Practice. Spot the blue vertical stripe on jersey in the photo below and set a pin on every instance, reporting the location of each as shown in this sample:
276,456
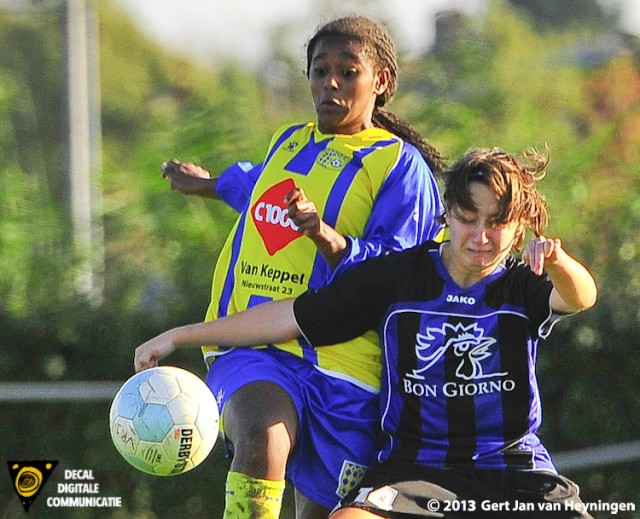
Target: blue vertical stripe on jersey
230,279
487,411
434,412
461,412
320,271
488,416
304,160
517,404
285,135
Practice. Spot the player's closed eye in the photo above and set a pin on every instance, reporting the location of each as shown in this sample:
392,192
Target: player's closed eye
349,73
464,219
472,220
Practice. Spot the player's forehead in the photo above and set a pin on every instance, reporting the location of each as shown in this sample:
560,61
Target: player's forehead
479,200
337,47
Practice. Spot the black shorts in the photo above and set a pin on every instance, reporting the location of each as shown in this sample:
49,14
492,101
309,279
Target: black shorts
403,491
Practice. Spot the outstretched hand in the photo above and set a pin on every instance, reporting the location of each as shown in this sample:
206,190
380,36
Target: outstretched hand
185,177
149,354
540,251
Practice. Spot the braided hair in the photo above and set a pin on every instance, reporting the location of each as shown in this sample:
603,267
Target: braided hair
379,46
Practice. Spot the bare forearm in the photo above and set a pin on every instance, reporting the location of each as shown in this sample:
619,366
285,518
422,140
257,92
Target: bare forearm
203,187
190,179
574,288
330,243
266,323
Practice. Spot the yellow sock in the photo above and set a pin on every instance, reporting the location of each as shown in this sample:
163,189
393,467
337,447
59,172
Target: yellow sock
251,498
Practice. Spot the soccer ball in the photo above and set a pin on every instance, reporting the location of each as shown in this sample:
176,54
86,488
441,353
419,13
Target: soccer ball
164,421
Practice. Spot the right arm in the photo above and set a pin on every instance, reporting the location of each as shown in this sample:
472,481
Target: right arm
574,288
190,179
233,186
271,322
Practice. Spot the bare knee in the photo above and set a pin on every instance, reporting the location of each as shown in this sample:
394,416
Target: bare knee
261,448
260,421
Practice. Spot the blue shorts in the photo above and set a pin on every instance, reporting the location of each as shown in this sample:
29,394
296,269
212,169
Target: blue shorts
339,423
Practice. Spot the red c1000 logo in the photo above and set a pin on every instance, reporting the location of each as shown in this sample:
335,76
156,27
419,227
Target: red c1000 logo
271,218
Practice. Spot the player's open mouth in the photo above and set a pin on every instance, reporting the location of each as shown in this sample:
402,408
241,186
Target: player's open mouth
333,102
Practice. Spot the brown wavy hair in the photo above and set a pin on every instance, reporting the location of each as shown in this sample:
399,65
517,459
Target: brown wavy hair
513,179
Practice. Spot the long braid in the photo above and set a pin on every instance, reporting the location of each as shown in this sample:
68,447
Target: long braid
390,121
378,44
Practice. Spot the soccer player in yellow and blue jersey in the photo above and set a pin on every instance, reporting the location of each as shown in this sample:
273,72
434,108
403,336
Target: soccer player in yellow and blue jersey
355,184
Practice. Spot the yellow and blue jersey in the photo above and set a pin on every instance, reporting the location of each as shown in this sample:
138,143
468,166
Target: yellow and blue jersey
372,187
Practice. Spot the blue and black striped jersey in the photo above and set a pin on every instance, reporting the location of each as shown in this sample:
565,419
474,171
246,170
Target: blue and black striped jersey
459,386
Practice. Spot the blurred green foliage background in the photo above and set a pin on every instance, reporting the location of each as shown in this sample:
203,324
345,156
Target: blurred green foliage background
527,74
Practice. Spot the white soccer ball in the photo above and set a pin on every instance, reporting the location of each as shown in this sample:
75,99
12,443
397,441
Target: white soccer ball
164,421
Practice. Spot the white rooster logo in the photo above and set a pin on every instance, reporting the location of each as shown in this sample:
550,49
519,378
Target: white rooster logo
468,342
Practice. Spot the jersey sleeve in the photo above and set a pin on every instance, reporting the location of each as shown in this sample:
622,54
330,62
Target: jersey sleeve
404,213
235,184
538,290
348,307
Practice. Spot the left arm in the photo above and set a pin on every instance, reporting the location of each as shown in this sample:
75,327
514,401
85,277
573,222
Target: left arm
574,288
403,215
341,311
302,211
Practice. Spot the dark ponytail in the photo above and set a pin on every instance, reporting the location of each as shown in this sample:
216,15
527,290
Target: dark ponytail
390,121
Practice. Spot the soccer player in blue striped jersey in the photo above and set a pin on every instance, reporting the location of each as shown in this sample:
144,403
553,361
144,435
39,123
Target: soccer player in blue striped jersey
460,324
355,184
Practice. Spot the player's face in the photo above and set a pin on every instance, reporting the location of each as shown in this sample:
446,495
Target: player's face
344,86
479,243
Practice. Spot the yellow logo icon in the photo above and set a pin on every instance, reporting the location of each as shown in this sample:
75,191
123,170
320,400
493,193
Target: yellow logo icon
29,477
